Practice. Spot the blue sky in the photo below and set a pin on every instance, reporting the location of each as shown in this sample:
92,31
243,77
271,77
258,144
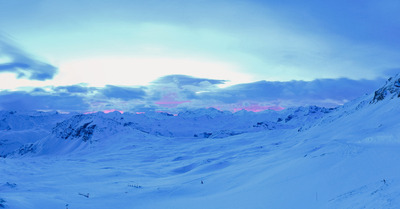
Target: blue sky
124,54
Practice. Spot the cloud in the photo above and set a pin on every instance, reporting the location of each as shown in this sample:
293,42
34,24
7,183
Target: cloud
174,90
74,89
391,72
176,93
74,98
124,93
322,92
290,45
169,101
184,80
19,62
24,101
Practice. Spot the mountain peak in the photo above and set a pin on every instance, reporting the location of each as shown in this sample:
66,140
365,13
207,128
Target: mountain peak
391,89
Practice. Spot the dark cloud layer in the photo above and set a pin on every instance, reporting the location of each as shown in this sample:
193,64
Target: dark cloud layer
73,89
23,65
323,92
124,93
180,87
166,91
24,101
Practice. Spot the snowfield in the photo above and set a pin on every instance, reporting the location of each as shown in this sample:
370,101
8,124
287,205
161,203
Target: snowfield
307,157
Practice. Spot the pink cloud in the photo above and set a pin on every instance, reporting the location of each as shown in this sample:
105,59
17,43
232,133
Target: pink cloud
113,110
169,101
105,111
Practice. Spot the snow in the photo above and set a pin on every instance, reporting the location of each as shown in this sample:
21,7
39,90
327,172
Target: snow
306,157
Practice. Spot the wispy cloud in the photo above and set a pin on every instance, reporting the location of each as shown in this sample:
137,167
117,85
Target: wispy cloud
271,40
15,60
182,81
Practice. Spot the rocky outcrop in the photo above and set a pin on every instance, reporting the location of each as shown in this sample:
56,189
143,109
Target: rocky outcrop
390,90
84,127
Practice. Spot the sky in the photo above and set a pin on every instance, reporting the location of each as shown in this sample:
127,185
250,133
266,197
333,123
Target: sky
173,55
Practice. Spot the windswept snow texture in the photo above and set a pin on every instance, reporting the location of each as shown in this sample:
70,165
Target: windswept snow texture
306,157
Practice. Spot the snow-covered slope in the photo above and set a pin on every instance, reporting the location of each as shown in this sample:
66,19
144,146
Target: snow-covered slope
306,157
18,131
81,131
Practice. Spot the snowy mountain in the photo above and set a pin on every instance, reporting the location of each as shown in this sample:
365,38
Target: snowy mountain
306,157
390,90
18,131
60,134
